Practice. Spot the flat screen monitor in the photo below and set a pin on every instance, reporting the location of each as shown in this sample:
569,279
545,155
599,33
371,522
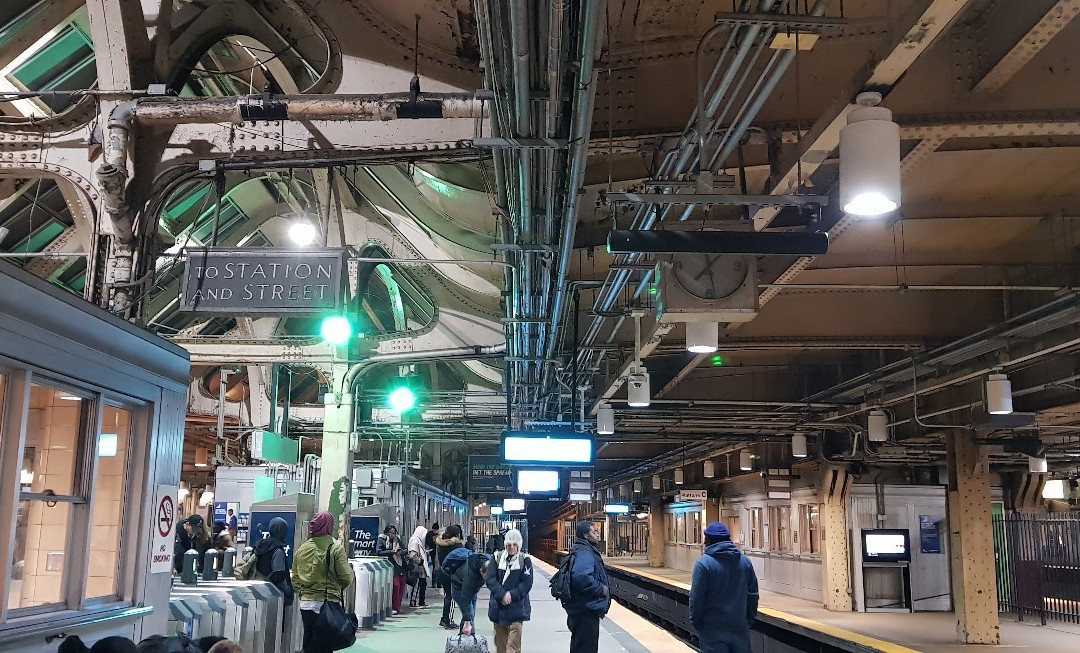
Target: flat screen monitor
546,449
538,481
886,545
513,505
496,510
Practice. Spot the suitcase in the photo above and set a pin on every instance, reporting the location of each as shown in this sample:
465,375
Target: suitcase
466,644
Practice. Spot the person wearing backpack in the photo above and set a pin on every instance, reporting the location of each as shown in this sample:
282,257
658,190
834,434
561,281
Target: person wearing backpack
723,595
268,561
585,596
509,580
467,572
315,580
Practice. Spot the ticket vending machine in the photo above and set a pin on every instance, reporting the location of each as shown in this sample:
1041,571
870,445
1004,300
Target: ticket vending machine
886,567
297,510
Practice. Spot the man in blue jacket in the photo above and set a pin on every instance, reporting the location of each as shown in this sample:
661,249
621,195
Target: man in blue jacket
723,595
590,599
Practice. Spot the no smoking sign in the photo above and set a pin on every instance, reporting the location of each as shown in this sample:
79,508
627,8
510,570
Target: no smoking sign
161,549
165,516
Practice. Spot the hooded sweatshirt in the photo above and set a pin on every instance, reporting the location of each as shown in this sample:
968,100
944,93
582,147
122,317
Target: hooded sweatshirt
271,561
723,597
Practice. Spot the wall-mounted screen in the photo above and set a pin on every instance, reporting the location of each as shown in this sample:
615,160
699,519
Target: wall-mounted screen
617,508
513,505
496,510
885,545
537,481
546,449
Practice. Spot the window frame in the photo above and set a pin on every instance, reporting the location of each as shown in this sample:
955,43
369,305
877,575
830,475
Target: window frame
755,517
780,540
809,537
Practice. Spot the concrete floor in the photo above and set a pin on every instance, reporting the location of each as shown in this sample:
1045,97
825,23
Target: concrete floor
417,631
933,632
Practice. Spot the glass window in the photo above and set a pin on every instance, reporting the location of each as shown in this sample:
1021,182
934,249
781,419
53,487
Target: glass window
757,536
780,525
680,527
106,529
811,530
693,527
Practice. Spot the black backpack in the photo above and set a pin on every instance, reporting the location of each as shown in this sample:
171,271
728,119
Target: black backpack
560,582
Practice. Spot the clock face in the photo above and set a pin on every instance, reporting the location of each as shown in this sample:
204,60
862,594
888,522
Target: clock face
710,276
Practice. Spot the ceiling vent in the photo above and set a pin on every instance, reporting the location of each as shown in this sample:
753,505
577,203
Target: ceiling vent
706,288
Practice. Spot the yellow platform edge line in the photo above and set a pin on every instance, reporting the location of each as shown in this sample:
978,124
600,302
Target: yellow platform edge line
825,629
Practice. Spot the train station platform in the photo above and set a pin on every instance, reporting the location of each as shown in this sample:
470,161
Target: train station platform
417,631
930,632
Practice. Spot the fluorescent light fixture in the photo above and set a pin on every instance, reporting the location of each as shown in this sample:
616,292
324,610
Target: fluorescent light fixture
302,233
999,395
496,511
546,449
678,476
637,486
798,446
605,420
702,337
617,508
638,391
1037,465
1055,489
655,482
746,461
513,505
107,445
877,425
71,398
531,481
708,469
870,159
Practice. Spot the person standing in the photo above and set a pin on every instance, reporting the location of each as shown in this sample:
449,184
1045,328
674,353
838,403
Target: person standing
429,544
590,599
509,580
419,554
268,560
389,545
198,537
723,595
444,544
232,524
314,581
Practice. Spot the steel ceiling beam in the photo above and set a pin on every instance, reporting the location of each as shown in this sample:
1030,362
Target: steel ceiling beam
1029,45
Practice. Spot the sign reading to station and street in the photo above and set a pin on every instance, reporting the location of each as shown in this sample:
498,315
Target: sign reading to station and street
253,281
487,475
164,523
692,495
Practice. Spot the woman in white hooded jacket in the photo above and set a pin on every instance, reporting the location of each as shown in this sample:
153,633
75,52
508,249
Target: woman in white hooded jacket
419,556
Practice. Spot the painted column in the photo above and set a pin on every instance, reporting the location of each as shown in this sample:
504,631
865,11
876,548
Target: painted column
836,541
971,537
656,529
335,477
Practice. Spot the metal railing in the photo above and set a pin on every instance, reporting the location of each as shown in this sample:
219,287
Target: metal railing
1038,565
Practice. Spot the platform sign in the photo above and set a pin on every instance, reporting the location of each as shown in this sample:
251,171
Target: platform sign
685,495
487,475
260,529
929,534
163,529
254,281
364,535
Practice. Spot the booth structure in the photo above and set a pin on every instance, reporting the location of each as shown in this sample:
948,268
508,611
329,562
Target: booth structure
91,436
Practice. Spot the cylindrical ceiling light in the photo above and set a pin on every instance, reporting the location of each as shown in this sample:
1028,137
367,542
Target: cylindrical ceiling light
605,420
869,159
638,391
637,486
708,469
999,395
746,460
656,482
877,426
798,446
678,476
302,233
1037,465
201,458
702,337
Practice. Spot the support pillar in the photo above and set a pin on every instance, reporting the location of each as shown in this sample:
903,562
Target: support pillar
335,476
710,513
656,529
835,539
971,539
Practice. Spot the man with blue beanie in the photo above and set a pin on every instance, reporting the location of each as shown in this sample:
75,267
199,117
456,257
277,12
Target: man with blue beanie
723,595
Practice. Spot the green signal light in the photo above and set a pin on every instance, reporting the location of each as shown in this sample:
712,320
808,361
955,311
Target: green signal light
717,361
402,400
653,290
336,330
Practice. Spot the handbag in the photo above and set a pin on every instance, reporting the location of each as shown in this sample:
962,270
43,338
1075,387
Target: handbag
335,627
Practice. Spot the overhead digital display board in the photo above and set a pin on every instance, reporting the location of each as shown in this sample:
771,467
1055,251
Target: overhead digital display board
547,449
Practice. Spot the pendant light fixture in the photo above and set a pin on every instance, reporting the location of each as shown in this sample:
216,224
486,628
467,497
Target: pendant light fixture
678,476
302,233
798,446
655,482
605,420
999,395
637,486
702,337
877,425
746,461
869,159
201,458
708,469
638,391
1037,465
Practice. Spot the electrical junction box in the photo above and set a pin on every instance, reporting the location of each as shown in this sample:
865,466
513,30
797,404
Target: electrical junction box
271,447
707,288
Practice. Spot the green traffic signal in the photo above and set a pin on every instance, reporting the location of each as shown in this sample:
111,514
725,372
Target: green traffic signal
336,329
402,400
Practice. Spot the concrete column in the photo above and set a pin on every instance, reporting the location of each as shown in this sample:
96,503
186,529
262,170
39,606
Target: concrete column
974,587
335,479
835,540
656,529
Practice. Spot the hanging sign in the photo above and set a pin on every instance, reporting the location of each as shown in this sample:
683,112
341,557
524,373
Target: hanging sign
929,534
692,495
164,524
257,280
487,475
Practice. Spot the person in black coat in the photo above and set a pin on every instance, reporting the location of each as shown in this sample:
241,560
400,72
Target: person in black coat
389,545
509,579
444,544
589,589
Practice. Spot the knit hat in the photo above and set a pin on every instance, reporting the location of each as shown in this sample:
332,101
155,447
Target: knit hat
582,529
717,531
513,536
